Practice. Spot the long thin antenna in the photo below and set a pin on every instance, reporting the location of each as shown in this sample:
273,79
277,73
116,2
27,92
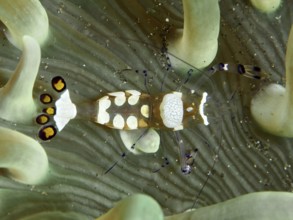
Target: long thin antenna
210,173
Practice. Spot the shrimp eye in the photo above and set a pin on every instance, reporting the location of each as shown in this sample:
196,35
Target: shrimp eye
46,98
50,110
47,132
42,119
58,84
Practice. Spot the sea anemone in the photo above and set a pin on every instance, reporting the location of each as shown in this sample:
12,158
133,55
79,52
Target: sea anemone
22,158
16,97
200,31
271,106
97,46
26,27
24,18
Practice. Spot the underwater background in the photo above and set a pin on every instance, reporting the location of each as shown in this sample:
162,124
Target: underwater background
89,44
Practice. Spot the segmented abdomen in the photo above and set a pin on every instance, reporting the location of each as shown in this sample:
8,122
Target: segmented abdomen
130,109
125,110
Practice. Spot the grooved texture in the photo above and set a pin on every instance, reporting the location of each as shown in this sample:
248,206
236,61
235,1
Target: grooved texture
90,43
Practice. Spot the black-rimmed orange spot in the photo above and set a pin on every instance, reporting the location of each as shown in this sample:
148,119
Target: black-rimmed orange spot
42,119
48,132
58,83
46,98
50,110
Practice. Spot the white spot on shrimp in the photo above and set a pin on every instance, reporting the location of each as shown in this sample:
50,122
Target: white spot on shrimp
189,109
171,110
66,110
103,115
145,111
132,122
201,108
132,100
135,95
118,122
119,98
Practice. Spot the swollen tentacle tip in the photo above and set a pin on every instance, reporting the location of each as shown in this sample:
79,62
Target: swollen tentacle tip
272,106
141,140
266,6
22,157
200,31
16,101
135,207
24,18
273,111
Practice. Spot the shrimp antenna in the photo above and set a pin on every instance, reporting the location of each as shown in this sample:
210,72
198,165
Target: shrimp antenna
210,172
250,71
